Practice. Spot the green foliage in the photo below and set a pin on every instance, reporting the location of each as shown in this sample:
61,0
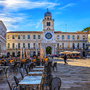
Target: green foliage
48,50
86,29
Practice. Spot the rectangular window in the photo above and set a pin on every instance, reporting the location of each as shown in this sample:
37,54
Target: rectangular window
57,36
28,36
77,36
57,45
19,45
38,36
62,36
13,36
33,45
18,36
8,36
62,45
28,45
78,45
13,45
23,45
34,37
8,45
23,36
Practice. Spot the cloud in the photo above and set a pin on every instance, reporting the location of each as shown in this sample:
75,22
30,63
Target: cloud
26,4
68,5
38,23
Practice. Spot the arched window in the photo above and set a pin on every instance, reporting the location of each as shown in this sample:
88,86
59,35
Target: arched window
18,53
68,36
73,37
48,23
13,54
34,53
8,45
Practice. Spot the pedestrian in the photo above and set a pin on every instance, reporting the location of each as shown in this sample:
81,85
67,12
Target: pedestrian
65,58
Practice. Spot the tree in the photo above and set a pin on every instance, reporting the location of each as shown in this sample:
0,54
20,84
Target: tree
48,50
86,29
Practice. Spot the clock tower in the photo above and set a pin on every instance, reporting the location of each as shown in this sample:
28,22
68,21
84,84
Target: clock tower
48,39
48,27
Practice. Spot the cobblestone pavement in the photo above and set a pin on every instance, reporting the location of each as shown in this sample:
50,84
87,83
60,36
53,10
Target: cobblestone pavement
75,75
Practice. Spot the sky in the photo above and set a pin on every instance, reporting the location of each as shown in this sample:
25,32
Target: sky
27,15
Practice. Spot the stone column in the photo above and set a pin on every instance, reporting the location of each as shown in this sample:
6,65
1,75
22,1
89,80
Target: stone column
21,53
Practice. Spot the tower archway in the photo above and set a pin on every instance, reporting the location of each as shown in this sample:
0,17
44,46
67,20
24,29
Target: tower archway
48,50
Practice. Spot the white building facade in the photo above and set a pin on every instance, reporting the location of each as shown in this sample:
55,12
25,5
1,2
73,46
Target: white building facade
3,31
34,40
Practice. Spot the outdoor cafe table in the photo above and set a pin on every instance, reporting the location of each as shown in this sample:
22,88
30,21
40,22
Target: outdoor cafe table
30,80
35,73
38,69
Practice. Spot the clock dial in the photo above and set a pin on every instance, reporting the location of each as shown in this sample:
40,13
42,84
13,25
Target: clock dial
48,35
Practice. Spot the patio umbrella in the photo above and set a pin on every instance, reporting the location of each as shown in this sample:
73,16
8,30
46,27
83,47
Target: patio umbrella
66,52
75,52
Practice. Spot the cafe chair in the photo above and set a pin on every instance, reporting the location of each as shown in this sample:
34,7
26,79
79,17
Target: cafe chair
55,83
11,87
54,65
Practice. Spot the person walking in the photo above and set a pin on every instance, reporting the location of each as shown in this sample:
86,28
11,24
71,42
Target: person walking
65,58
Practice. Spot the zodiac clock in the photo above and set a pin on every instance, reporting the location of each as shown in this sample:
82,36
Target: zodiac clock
48,35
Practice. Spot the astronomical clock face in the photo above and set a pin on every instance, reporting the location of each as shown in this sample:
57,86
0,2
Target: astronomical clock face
48,35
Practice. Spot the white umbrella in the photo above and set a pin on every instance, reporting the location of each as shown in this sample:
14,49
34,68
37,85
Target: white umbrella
75,52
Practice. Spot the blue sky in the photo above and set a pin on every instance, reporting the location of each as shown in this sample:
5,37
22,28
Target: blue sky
27,15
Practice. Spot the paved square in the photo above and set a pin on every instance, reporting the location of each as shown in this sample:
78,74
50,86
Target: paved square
75,75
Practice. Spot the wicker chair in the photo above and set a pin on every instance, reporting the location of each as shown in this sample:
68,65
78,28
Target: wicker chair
55,83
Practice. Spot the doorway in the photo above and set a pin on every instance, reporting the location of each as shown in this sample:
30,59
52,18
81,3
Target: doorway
48,50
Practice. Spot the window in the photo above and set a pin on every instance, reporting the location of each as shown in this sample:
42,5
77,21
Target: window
62,45
62,36
83,37
39,45
28,45
13,36
38,36
83,45
68,37
23,36
8,45
18,45
23,45
57,36
57,45
28,36
78,45
47,28
34,45
48,23
34,37
13,45
77,36
73,37
18,36
34,53
8,36
73,46
68,45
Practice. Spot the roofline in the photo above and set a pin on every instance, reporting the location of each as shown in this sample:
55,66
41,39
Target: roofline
3,24
78,32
